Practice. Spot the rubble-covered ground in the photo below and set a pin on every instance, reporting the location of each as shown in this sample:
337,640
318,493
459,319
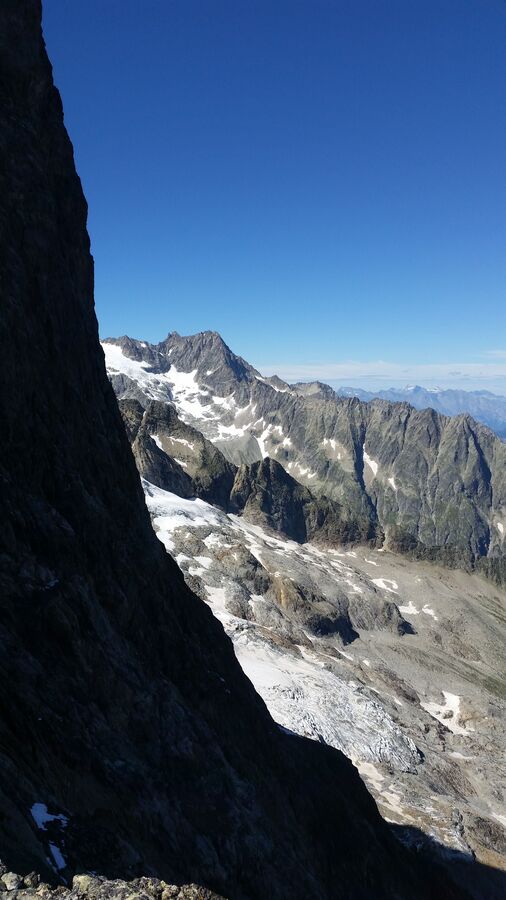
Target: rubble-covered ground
93,887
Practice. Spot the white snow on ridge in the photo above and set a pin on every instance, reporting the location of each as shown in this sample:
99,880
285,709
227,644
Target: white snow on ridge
301,471
168,511
273,386
373,465
41,816
383,584
183,441
392,483
302,693
330,442
181,387
157,387
225,402
58,857
500,527
410,609
187,392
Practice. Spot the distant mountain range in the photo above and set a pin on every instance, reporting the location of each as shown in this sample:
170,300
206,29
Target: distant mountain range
485,407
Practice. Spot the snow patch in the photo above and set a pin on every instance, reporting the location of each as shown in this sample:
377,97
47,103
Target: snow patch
373,465
301,471
168,512
410,609
58,858
383,584
183,441
448,712
370,773
41,816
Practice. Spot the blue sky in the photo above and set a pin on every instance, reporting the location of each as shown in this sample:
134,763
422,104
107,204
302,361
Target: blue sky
323,182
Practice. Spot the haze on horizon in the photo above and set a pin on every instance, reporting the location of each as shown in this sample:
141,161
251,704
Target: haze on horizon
322,183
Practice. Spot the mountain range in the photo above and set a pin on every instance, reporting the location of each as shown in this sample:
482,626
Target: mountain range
429,485
484,406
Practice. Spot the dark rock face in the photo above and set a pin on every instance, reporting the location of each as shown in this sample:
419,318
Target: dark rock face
266,494
158,467
178,458
195,462
125,717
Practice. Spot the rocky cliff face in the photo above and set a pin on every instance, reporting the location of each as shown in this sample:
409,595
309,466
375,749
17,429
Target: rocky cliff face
178,458
131,741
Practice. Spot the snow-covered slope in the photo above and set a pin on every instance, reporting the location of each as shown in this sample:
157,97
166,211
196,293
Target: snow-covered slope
420,714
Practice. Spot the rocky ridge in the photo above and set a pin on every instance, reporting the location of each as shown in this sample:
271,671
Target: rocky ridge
177,457
484,406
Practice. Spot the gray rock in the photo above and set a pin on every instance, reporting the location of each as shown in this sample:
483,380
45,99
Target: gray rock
11,881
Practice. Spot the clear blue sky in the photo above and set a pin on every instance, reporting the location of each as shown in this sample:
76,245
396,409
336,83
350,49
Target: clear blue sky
320,181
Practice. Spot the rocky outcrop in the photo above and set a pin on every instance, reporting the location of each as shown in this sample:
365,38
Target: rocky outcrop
93,887
194,460
178,458
266,494
132,743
